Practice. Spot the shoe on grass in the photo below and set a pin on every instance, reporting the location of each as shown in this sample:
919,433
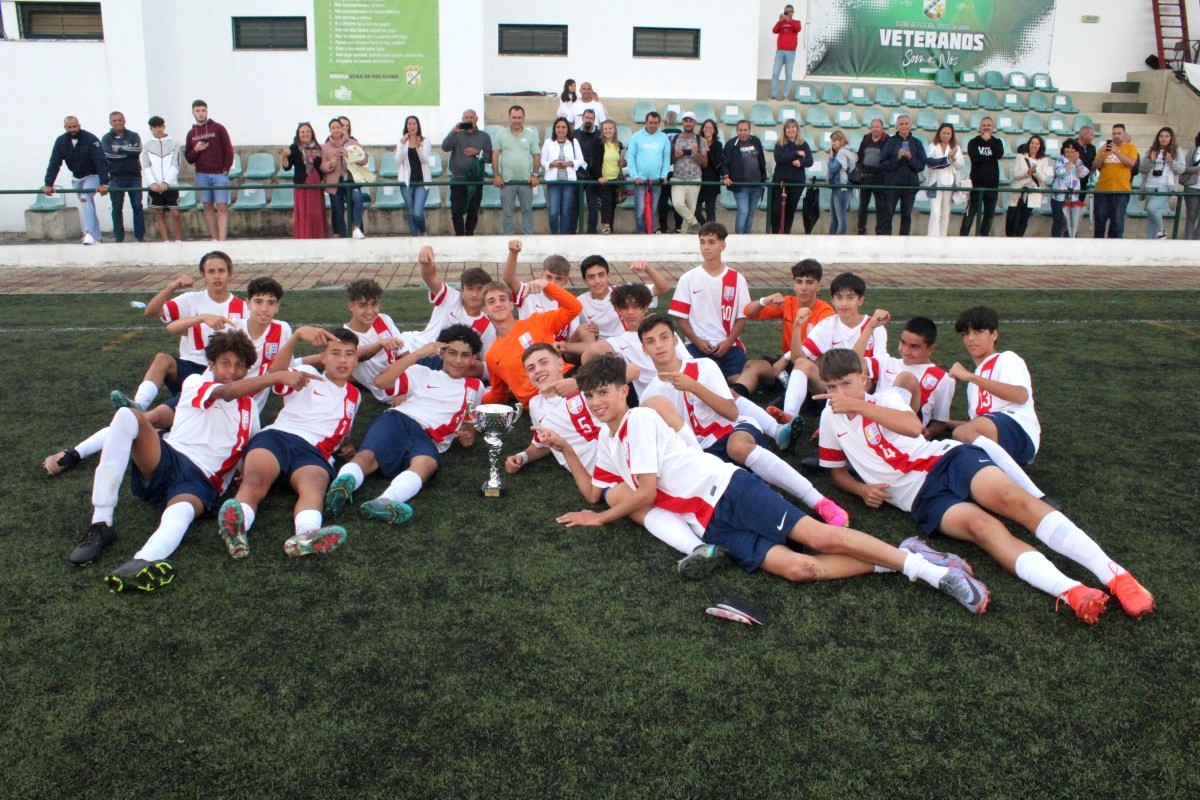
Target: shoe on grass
701,561
779,415
231,525
936,557
98,536
321,540
394,513
832,514
970,592
341,492
121,400
789,433
1132,596
61,461
1087,603
141,575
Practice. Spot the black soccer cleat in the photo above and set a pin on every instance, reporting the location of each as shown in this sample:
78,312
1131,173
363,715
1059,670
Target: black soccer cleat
98,536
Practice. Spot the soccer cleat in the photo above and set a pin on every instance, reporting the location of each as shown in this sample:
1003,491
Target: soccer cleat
395,513
779,415
341,492
832,514
146,576
811,461
322,540
936,557
789,433
1132,596
61,461
1088,604
970,592
701,561
98,536
231,524
121,400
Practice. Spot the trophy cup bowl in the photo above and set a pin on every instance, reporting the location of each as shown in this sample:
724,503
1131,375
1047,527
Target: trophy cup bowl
493,420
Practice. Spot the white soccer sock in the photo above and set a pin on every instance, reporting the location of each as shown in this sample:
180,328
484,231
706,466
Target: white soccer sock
777,472
93,444
1063,536
146,392
171,527
114,460
759,414
1036,570
308,521
917,568
797,390
671,530
354,470
1009,464
248,515
880,568
403,488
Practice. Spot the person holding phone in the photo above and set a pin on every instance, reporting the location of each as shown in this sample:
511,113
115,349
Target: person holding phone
689,157
787,31
1115,162
469,148
902,163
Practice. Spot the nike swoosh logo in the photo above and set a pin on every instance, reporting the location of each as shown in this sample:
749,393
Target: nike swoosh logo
837,341
697,291
430,386
840,435
782,520
318,394
984,460
891,372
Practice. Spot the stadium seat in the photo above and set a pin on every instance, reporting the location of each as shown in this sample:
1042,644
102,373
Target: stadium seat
731,113
282,199
945,78
491,197
833,95
1042,82
964,100
1004,179
937,98
1013,101
236,170
45,205
624,134
911,97
927,120
970,79
727,200
989,100
1018,81
390,197
1063,104
769,138
1032,123
807,93
704,111
1053,146
1040,103
187,199
818,117
995,80
434,198
824,145
761,116
855,138
640,110
886,96
846,118
1080,121
260,167
956,119
539,197
1059,124
921,203
859,95
250,200
870,114
1007,123
819,171
1135,208
895,114
789,111
388,169
673,108
1010,150
976,118
435,165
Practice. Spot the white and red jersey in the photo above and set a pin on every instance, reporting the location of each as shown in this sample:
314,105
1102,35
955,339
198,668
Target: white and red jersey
570,418
1006,367
709,426
448,310
191,304
937,387
267,347
321,413
711,303
603,314
690,481
629,347
880,455
529,304
365,371
211,433
833,334
435,401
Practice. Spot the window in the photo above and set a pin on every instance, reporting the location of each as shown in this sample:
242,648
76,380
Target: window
270,33
666,42
533,40
60,21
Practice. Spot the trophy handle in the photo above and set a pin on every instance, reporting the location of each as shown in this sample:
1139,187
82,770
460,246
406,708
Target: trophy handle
517,416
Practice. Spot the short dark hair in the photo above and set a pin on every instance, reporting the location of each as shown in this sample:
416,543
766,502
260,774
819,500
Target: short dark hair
593,261
219,255
923,327
713,229
475,276
462,333
979,318
538,347
1120,125
631,294
653,321
344,335
363,289
838,363
556,265
605,370
199,104
654,114
156,122
848,282
808,268
236,342
522,110
264,286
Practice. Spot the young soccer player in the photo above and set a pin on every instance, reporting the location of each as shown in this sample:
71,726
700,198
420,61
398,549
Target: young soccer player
452,307
730,507
929,389
947,486
505,368
696,391
531,298
599,318
405,443
710,301
299,446
379,340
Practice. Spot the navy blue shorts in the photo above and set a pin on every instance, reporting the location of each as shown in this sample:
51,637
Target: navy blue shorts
433,362
718,448
184,369
750,519
731,364
1013,438
289,450
396,439
948,484
174,475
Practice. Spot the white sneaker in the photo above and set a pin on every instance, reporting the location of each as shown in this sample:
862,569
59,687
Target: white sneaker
88,239
358,234
1160,235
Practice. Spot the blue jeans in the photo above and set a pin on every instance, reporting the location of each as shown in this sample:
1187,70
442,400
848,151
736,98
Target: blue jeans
839,207
561,198
87,204
1157,201
337,204
747,198
118,207
510,195
1108,214
785,60
414,203
639,204
212,188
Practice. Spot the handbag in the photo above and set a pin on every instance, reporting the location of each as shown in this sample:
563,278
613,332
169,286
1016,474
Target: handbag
961,195
856,175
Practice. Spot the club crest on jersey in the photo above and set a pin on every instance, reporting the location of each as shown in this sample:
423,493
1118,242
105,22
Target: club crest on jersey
351,407
574,404
271,350
872,433
625,451
526,339
928,381
729,293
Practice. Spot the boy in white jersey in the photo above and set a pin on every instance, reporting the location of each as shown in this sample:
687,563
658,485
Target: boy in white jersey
599,318
728,506
405,443
452,307
928,387
947,486
379,340
710,301
183,472
555,269
299,446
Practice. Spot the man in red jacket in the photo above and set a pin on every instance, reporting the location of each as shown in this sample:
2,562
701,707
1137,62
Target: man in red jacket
209,150
787,30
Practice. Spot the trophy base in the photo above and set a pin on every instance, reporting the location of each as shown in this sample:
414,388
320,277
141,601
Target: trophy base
492,491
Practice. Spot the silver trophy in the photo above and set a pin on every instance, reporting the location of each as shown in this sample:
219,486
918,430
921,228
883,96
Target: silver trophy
493,421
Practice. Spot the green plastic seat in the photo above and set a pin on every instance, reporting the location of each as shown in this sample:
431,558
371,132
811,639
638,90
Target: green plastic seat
1032,123
434,198
1053,146
945,78
1008,123
1019,81
44,205
640,110
993,79
187,199
807,93
911,97
704,111
990,100
1135,208
833,95
761,116
260,167
1042,82
282,199
1013,101
1063,104
731,114
886,96
927,120
859,95
976,118
846,117
624,134
956,119
387,168
388,197
871,114
1059,124
1040,103
818,117
491,197
895,114
1080,121
539,196
937,98
236,170
970,79
435,164
250,200
964,100
787,112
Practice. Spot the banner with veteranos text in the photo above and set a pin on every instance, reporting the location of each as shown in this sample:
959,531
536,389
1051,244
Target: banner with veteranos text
377,52
913,39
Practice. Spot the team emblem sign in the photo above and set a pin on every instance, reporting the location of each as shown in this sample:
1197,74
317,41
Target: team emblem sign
928,382
729,293
271,350
575,404
872,432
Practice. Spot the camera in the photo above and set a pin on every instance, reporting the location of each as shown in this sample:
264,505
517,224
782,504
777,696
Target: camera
1156,173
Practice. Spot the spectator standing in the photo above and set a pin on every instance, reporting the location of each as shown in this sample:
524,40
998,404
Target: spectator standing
561,156
787,32
984,152
412,164
1032,170
1191,191
516,160
566,102
160,173
689,155
607,160
745,164
1115,162
588,99
82,153
1066,205
303,158
123,149
207,148
469,148
1160,171
793,155
944,162
711,174
335,166
870,156
902,164
1087,152
842,161
649,159
586,135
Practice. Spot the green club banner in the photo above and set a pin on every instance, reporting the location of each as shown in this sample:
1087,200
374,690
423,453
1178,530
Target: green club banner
377,52
913,39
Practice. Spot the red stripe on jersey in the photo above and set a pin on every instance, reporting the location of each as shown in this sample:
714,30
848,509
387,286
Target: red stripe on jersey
718,429
685,505
197,337
236,306
437,301
812,348
870,349
927,385
679,308
872,368
728,299
200,401
873,434
440,433
480,325
983,401
170,311
831,454
399,387
245,409
604,476
380,327
581,418
274,337
349,407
